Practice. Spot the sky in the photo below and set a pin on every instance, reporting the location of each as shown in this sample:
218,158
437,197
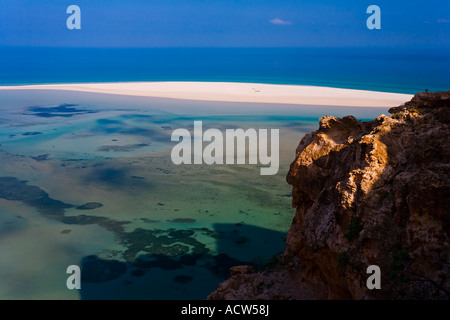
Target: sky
225,23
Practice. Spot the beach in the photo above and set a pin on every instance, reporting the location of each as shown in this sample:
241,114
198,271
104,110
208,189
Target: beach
236,92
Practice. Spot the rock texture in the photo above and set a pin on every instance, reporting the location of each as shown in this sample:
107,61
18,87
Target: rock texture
365,193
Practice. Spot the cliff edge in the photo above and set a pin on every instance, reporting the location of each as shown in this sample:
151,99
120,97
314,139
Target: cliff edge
365,193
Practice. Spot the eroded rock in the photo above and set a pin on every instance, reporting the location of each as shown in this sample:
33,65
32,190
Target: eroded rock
366,193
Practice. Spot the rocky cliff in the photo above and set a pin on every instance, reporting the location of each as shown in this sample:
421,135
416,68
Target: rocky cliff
365,193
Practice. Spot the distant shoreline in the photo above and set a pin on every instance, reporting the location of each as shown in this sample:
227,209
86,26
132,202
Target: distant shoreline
236,92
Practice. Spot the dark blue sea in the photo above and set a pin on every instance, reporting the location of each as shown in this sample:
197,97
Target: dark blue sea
390,70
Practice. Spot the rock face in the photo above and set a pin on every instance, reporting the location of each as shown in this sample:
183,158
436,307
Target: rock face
366,193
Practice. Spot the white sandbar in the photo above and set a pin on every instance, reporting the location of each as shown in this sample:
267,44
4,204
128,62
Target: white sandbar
236,92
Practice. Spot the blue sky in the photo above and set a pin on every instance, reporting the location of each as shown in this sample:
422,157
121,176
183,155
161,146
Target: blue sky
225,23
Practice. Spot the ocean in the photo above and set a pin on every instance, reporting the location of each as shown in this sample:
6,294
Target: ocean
387,69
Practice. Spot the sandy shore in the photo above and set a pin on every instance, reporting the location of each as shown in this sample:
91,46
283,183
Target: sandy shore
236,92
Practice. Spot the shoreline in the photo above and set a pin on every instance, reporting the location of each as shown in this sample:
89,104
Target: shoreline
235,92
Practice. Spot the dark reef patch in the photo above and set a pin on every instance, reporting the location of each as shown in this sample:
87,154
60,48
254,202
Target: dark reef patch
64,110
109,176
130,126
149,220
66,231
183,220
90,206
109,224
120,177
31,133
165,171
154,243
124,148
178,234
14,189
41,157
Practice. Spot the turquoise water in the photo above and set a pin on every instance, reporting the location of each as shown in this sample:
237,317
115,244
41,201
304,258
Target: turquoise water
390,70
87,179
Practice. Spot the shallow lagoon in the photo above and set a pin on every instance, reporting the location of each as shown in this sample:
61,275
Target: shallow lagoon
87,179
